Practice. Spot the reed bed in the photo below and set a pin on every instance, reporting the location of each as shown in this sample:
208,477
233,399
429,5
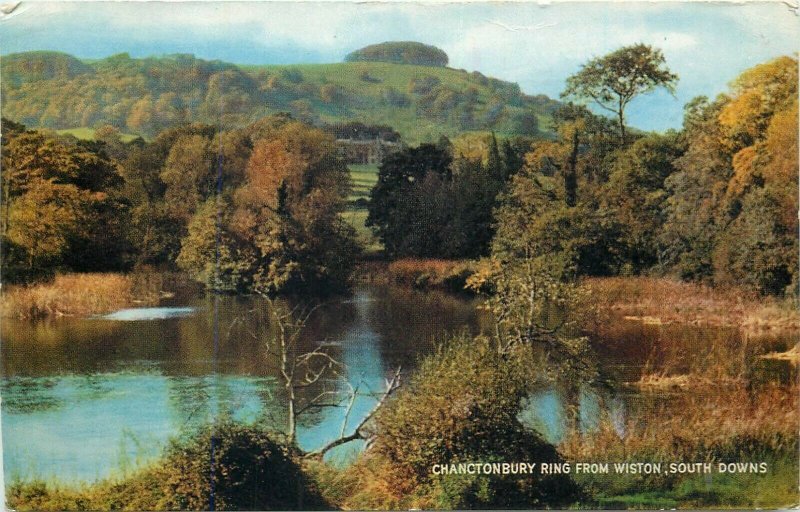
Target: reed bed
430,273
724,424
664,300
78,295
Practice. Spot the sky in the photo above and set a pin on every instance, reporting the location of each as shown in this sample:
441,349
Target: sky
537,45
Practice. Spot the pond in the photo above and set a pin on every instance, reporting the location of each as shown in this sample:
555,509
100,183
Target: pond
87,398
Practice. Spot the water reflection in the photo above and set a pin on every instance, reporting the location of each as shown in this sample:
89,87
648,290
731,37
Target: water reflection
138,314
84,399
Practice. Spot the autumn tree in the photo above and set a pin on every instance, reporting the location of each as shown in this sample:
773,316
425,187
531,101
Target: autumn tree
62,205
281,229
614,80
731,215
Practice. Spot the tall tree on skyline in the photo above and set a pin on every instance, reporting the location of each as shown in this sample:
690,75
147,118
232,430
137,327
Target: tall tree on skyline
614,80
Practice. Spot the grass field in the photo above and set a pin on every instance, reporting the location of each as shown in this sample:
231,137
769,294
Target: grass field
366,97
364,178
86,133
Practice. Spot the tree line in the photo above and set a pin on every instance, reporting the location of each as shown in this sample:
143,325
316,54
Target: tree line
715,201
146,96
255,209
258,208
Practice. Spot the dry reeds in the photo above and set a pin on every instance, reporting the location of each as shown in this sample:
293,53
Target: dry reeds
663,300
69,295
722,424
430,273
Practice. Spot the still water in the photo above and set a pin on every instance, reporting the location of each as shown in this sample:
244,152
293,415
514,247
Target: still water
86,398
83,399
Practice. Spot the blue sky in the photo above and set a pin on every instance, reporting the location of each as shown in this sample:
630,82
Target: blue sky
536,45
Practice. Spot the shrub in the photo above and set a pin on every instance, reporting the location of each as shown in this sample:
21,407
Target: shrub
461,406
222,467
239,467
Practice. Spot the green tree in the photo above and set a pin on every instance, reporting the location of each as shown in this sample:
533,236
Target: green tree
167,179
427,205
636,196
280,229
394,208
614,80
189,174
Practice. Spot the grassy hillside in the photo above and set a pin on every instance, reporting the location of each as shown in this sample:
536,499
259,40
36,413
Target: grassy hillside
88,134
144,96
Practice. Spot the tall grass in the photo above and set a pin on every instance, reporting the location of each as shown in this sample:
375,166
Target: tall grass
449,275
723,424
663,300
77,295
730,424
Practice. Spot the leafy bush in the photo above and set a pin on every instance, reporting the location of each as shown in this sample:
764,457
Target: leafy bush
237,467
423,85
222,467
462,405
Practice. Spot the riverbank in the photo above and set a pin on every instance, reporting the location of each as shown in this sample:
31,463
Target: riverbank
663,300
419,273
653,301
84,294
756,428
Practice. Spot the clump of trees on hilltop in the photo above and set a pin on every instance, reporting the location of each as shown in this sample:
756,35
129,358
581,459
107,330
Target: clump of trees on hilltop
400,52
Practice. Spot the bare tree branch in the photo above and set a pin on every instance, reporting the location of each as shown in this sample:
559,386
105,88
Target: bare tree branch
391,387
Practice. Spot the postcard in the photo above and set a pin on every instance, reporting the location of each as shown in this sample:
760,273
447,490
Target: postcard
386,255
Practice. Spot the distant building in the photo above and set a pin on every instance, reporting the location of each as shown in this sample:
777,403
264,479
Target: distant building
366,151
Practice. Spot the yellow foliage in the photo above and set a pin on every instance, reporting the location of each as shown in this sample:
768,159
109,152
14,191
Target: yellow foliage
544,156
42,221
759,93
743,172
472,146
781,145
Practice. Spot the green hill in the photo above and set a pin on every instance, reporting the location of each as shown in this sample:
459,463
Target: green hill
144,96
20,68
